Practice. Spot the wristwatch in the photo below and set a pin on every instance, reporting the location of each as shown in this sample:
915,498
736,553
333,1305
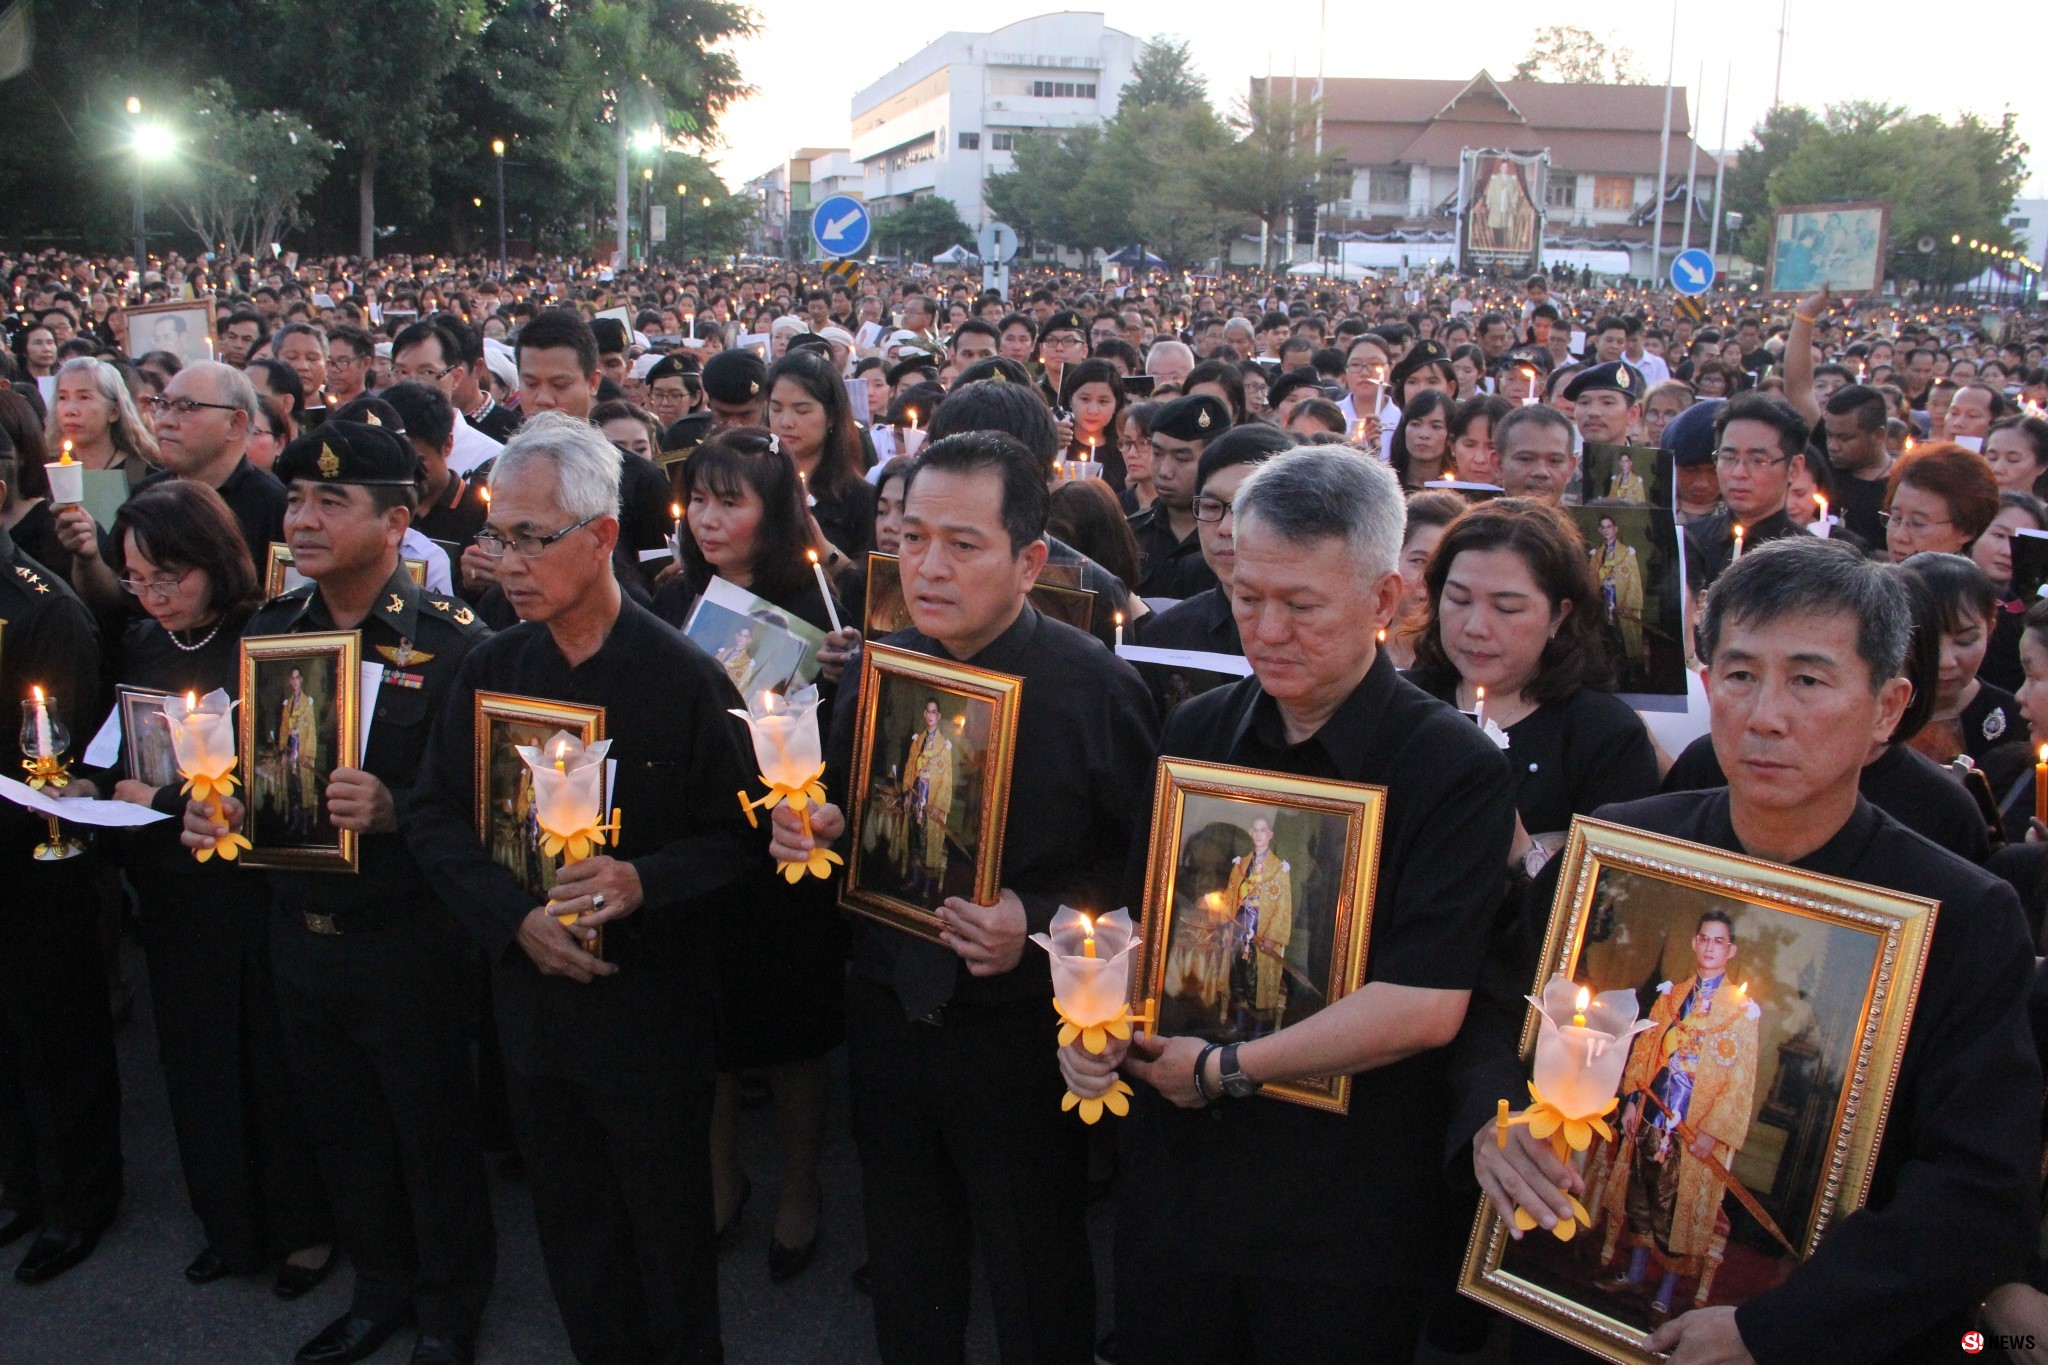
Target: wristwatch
1533,859
1236,1084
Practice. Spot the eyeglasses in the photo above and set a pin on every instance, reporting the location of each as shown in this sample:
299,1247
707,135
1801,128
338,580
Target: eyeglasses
1211,509
425,374
160,588
184,407
1375,368
1748,464
1917,524
525,544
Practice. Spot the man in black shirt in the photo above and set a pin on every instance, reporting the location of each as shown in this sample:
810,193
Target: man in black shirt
372,969
1854,420
1805,643
1760,446
1265,1230
452,508
607,1056
1203,622
1169,552
956,1089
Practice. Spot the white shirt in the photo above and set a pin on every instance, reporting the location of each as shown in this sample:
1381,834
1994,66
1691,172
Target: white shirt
472,447
413,545
1651,367
1390,421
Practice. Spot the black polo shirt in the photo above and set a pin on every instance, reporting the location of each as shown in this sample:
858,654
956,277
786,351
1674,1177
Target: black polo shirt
1270,1188
1710,543
1202,622
1857,501
455,517
1172,566
257,499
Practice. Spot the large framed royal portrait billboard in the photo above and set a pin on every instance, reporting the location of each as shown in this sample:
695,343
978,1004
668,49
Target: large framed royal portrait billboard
1750,1108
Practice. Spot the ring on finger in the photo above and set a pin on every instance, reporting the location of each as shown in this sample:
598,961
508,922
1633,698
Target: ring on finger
597,901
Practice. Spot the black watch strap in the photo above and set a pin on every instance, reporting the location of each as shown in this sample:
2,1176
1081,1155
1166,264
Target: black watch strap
1236,1084
1201,1065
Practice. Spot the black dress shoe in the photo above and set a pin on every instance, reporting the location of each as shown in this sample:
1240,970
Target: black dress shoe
209,1265
346,1340
786,1263
294,1281
16,1224
449,1350
54,1252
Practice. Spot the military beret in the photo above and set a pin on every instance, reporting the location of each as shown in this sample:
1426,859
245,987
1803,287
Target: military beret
340,451
1197,417
1690,435
809,341
1616,375
1066,320
1303,378
1420,354
610,334
736,376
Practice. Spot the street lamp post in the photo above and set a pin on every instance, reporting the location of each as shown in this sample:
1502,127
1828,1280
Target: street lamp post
498,151
150,142
140,232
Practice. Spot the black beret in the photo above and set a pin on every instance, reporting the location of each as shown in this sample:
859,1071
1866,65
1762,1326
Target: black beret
610,334
1066,320
1690,435
350,452
736,376
1616,375
1303,378
1196,417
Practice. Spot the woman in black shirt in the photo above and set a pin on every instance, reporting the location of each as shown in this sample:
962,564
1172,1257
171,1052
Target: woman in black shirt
1993,554
1970,716
1093,391
811,419
205,927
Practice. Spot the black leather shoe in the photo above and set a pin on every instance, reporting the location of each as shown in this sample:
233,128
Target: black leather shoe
209,1265
16,1224
346,1340
52,1253
294,1281
450,1350
786,1263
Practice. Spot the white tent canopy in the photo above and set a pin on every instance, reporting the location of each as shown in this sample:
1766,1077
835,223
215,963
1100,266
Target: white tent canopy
956,255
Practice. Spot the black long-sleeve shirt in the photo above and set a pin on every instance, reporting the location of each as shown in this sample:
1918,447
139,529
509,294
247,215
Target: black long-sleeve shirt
48,641
1079,790
681,763
1952,1205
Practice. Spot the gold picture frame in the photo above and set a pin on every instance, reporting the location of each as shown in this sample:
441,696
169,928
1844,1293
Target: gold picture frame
884,612
503,720
1242,939
184,327
1811,1043
902,865
146,737
283,786
277,574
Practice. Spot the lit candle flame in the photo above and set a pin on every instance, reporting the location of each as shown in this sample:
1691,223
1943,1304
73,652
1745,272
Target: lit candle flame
812,555
912,414
39,695
1088,939
561,763
191,701
1579,1007
675,510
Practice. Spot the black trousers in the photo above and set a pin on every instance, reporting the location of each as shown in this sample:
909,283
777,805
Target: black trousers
962,1141
621,1181
1177,1310
60,1091
377,1025
242,1140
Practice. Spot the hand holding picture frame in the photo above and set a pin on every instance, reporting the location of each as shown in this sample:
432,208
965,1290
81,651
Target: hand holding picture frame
146,737
299,720
507,814
1750,1111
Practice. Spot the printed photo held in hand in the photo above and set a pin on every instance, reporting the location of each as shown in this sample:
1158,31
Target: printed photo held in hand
299,722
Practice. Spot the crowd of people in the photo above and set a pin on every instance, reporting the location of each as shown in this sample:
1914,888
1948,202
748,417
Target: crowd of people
523,484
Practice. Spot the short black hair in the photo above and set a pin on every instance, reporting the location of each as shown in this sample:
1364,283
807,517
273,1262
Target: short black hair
558,329
1000,405
419,333
1804,574
1862,402
1026,500
1721,917
1252,443
976,327
1773,411
428,415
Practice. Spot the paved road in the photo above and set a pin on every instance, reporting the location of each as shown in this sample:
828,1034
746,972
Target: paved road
130,1303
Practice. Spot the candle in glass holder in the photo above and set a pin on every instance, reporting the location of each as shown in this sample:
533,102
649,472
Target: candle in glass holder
45,744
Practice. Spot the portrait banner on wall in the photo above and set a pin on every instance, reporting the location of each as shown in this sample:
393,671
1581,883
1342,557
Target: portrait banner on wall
1259,891
1751,1107
932,751
1841,246
299,721
1500,209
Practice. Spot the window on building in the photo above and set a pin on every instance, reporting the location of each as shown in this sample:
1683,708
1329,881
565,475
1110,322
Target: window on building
1564,190
1614,192
1388,185
970,142
1063,90
1002,142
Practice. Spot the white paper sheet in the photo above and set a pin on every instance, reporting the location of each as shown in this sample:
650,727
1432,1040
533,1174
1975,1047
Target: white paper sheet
1188,658
80,810
106,745
373,683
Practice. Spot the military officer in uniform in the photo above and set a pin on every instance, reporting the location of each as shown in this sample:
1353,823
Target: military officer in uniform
1607,401
60,1097
374,977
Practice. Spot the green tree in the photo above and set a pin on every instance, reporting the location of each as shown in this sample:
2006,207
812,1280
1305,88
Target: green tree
705,219
1164,76
922,229
1746,187
1042,195
242,175
1567,55
1273,168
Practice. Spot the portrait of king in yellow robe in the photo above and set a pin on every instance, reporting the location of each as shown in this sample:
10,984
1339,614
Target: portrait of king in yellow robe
298,743
928,775
1262,891
1621,586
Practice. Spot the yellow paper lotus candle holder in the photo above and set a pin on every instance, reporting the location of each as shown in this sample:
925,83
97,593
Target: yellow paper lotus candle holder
568,802
1091,992
1582,1047
203,741
792,759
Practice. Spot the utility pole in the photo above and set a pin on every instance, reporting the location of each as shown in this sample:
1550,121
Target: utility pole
1664,156
1778,81
1721,167
1692,161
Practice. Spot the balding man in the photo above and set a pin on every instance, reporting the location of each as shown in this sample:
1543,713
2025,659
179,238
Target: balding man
1168,363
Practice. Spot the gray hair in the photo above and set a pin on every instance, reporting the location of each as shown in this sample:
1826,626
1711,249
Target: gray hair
586,465
1803,576
1165,348
1315,492
230,386
127,432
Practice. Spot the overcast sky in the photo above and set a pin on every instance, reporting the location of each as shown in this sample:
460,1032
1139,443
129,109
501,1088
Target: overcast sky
811,56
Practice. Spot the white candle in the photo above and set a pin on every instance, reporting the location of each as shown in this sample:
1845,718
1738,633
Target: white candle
67,480
1738,540
824,590
1820,524
1119,630
45,746
1479,706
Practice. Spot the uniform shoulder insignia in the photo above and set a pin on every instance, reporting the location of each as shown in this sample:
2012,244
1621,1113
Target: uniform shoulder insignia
464,617
397,603
30,577
438,605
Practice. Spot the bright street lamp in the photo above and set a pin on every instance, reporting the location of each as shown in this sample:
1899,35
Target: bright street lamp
154,142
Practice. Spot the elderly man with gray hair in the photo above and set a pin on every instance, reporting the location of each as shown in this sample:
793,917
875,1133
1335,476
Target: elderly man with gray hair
1313,1217
607,1036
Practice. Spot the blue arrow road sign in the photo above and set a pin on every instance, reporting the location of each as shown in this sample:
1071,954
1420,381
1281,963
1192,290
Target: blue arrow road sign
1692,271
840,225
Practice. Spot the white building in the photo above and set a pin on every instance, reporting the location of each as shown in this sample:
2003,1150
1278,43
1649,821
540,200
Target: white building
948,118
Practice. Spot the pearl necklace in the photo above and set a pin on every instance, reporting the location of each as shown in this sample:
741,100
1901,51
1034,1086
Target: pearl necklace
197,645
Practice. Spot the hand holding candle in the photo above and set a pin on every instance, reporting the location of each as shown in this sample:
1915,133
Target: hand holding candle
825,591
792,759
67,480
203,741
1091,986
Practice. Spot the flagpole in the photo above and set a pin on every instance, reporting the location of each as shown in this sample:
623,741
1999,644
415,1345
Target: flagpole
1664,155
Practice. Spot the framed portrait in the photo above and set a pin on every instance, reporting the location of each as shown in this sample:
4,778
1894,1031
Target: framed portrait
1258,905
932,752
1634,552
146,735
184,327
1631,476
1838,245
279,577
506,818
884,612
1752,1107
299,722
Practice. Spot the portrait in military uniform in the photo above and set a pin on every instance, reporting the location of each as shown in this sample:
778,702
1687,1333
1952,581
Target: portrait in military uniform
1742,1131
930,783
1633,552
298,723
1634,476
506,818
1257,909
